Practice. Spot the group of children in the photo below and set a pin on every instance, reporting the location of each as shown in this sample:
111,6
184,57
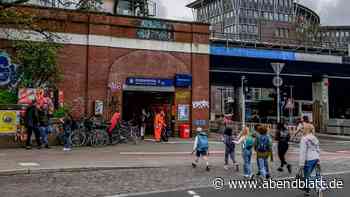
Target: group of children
257,139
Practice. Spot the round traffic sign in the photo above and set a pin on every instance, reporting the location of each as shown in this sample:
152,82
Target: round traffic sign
277,81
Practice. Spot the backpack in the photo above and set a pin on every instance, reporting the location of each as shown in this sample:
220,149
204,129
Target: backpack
249,142
263,143
202,143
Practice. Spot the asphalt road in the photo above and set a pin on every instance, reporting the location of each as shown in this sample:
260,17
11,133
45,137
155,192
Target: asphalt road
211,192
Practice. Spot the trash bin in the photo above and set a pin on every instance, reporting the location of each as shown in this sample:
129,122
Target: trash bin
184,131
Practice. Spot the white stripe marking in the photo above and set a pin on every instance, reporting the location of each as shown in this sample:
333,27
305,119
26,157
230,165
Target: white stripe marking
107,41
190,192
28,164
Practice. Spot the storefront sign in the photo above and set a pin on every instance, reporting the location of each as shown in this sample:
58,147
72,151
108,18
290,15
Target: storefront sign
8,121
200,122
183,96
149,82
183,112
200,104
183,80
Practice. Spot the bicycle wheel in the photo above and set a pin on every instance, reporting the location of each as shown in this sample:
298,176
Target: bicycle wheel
100,138
77,138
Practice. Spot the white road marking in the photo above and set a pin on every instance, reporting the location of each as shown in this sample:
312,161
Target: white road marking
28,164
196,196
190,192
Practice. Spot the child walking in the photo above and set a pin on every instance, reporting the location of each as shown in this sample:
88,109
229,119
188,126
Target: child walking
68,124
201,147
229,148
263,148
247,142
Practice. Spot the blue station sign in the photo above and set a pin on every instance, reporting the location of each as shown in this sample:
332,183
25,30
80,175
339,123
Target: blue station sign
183,80
149,82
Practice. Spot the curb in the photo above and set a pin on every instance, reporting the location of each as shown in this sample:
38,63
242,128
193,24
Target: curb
63,170
341,137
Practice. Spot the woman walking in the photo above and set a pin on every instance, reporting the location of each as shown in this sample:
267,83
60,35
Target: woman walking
247,142
283,137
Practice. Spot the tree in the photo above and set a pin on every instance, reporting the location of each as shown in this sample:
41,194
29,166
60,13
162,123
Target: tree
38,64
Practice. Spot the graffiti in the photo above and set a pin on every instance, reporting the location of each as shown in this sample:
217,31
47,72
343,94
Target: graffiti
155,30
115,86
8,71
200,104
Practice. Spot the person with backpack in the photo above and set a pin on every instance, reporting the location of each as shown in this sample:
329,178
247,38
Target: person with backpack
309,155
68,125
263,148
201,147
247,141
229,148
283,137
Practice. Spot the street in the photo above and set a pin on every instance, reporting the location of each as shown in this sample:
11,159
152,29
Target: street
147,167
209,192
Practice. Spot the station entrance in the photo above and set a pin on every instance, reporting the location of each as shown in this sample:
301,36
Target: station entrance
151,102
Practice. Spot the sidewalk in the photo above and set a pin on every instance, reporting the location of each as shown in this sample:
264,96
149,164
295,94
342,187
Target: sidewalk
145,155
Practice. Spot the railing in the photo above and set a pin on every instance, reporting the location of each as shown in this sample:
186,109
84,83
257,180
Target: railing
317,46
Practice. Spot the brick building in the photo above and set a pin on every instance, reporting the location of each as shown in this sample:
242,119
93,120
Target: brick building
130,63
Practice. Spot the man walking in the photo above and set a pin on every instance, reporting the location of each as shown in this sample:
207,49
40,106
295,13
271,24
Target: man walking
31,122
44,124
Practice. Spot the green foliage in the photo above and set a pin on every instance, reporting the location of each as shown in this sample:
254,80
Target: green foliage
38,64
61,111
89,5
7,97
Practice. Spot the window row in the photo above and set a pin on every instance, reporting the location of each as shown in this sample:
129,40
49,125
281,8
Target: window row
282,33
243,28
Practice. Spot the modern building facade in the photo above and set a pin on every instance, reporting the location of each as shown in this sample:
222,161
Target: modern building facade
264,20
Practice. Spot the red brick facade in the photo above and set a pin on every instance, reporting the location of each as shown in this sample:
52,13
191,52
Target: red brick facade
89,68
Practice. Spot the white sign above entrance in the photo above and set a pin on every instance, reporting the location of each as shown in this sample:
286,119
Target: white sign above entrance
277,67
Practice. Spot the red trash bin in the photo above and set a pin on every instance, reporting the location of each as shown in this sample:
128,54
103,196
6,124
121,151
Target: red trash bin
184,131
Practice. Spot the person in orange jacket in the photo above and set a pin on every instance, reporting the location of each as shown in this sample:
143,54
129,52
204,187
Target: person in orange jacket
159,123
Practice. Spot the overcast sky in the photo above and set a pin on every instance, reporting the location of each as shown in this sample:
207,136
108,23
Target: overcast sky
332,12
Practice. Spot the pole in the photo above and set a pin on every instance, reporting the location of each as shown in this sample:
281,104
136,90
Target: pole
278,103
243,101
291,109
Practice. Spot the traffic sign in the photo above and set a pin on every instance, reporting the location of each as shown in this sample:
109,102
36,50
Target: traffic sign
277,67
277,81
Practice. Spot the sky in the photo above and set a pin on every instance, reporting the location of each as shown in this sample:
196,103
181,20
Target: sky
332,12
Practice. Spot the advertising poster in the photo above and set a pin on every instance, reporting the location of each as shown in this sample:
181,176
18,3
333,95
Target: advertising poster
183,112
8,121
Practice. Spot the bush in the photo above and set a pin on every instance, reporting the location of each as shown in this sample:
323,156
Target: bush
8,97
61,111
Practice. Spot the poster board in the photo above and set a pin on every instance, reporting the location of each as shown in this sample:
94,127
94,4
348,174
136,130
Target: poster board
9,119
183,112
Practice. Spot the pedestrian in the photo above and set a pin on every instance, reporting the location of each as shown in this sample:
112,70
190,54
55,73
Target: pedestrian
68,124
263,148
247,141
114,125
32,124
201,148
159,124
283,137
44,125
309,155
229,148
144,116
